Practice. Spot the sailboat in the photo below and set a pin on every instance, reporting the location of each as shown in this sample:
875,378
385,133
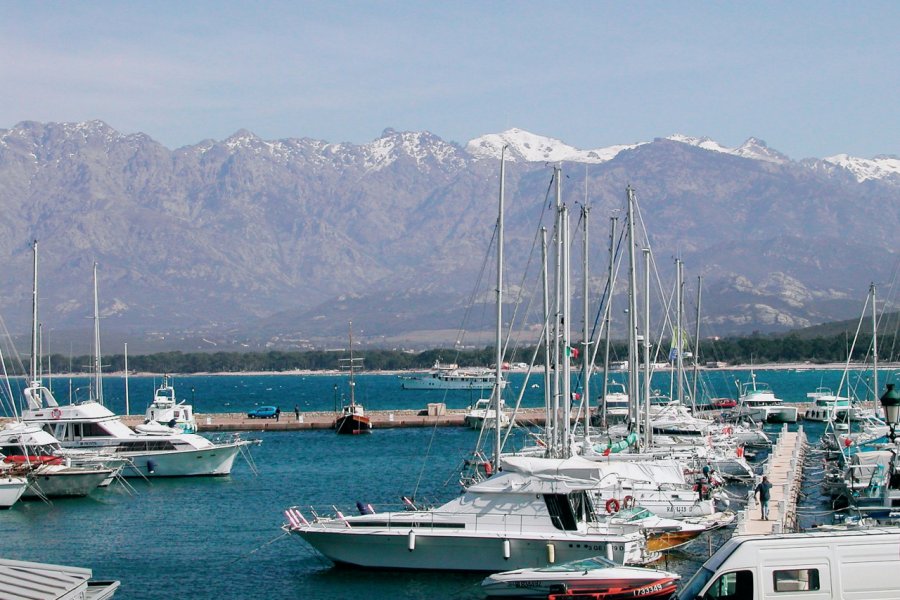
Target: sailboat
353,419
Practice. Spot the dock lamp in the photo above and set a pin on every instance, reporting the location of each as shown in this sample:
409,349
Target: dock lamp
891,404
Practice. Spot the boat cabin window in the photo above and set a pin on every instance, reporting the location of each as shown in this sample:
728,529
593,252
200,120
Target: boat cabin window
567,510
737,585
796,580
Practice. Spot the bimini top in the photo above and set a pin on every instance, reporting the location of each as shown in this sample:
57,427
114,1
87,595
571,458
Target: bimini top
602,472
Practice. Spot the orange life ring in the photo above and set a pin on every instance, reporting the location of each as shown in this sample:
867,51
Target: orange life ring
628,502
56,413
612,506
488,468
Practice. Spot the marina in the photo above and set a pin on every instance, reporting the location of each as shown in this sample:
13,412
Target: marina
299,467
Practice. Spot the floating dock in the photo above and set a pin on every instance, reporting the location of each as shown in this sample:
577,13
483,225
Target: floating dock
785,471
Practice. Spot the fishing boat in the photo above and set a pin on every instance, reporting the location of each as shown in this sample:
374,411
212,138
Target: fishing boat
450,377
166,411
594,575
353,419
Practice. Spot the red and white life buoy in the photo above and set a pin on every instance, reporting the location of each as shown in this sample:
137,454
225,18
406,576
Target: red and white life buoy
56,413
612,506
628,502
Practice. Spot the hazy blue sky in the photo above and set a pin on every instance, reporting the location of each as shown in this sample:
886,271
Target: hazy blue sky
809,78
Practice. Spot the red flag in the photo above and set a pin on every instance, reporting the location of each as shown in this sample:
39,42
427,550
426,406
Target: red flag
607,451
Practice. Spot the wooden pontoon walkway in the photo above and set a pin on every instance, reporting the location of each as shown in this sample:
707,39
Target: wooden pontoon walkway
785,471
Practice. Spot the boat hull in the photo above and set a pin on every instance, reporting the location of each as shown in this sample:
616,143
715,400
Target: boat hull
439,384
439,551
201,462
11,489
352,425
65,484
537,584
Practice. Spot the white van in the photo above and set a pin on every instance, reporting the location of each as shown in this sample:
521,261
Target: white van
857,564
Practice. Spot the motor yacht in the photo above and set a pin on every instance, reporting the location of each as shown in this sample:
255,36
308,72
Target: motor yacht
166,411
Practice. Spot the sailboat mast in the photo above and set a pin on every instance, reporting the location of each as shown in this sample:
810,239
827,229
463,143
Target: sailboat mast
875,390
648,429
352,383
98,375
127,408
632,316
34,316
679,345
613,221
498,380
697,348
566,395
586,363
557,426
548,424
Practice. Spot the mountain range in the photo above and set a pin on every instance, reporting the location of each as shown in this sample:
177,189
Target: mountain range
248,243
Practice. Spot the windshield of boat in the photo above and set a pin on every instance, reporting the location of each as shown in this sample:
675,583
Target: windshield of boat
586,564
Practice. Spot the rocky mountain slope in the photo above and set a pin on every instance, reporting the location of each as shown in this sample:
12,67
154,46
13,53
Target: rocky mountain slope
246,242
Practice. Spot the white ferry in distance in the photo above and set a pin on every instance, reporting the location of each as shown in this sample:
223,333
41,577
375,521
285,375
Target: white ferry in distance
448,376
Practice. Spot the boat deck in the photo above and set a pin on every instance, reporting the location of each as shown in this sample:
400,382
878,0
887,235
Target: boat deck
784,470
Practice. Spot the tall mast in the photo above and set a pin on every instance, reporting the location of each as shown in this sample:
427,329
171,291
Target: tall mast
648,428
98,375
352,383
586,361
679,344
613,221
498,380
566,394
557,426
127,408
875,390
697,348
34,317
548,424
632,315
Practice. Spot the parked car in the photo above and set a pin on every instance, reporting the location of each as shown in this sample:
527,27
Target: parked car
263,412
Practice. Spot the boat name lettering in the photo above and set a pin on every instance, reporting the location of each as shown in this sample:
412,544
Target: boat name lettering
648,590
527,584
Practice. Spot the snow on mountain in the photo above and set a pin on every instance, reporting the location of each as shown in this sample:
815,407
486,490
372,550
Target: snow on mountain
753,148
880,167
535,148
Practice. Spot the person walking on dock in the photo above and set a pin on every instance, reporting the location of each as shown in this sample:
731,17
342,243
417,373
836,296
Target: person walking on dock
297,412
762,489
277,413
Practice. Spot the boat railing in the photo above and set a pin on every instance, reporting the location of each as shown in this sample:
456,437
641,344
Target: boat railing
406,520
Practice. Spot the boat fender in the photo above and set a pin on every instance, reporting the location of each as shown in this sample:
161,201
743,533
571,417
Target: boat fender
488,468
151,466
609,552
628,502
506,550
612,506
365,509
411,540
551,553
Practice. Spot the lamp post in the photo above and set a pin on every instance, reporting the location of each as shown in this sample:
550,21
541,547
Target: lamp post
890,401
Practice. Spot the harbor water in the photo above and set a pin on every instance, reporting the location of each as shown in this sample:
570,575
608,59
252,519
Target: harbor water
215,538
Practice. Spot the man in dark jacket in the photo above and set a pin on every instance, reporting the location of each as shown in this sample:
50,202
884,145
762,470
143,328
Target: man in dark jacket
762,490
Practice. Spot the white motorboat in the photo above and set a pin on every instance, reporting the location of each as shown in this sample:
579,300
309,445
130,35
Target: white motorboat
451,377
90,425
166,411
758,402
595,575
12,486
51,473
509,520
481,414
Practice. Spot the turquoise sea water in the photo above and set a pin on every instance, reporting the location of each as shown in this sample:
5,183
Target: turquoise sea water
220,538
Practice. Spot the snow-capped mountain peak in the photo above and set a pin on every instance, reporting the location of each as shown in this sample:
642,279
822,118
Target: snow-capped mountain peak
529,147
753,148
880,167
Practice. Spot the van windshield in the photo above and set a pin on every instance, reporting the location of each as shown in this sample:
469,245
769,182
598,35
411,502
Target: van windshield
696,583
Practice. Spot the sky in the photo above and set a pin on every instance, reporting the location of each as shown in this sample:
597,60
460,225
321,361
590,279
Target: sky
811,79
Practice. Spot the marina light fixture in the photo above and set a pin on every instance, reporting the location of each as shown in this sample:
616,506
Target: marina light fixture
890,401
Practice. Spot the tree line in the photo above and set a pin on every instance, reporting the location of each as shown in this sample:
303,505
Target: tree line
755,349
